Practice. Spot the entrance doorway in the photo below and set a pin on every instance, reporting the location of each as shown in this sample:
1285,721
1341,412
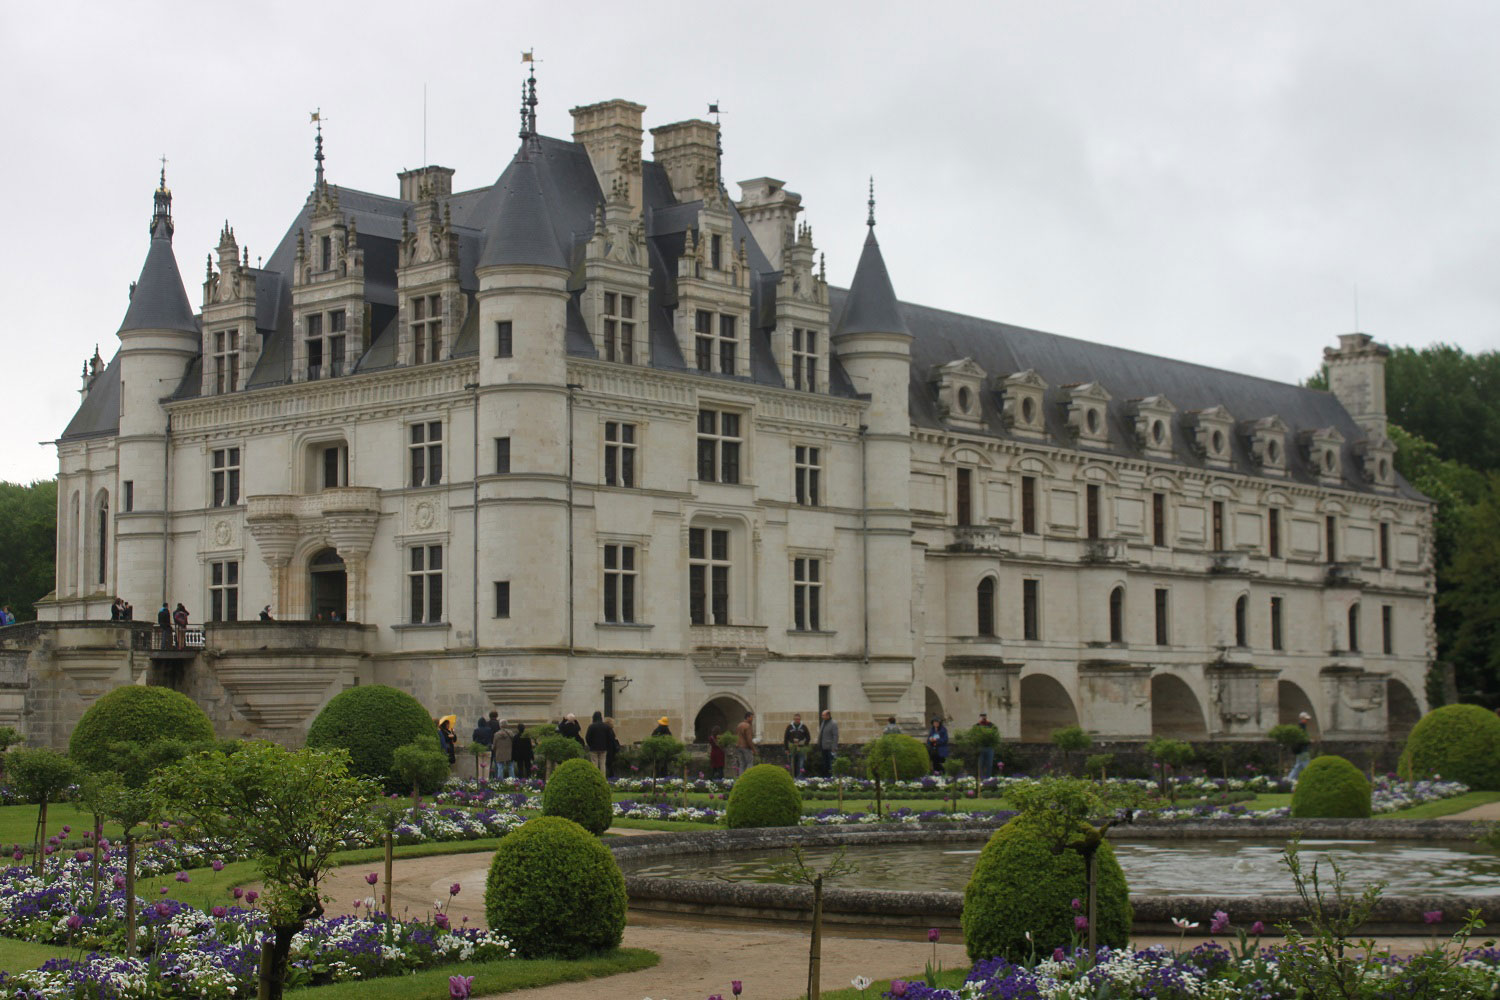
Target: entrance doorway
329,587
723,712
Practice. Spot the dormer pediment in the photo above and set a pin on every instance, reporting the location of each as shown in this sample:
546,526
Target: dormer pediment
1021,407
959,384
1324,449
1268,443
1153,417
1087,409
1377,457
1213,430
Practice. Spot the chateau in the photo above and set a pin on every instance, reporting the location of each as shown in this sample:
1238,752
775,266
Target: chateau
598,435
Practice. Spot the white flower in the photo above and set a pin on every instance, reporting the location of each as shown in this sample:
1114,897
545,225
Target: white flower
860,983
1184,925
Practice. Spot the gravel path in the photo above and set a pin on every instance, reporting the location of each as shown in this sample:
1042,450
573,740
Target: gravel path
1490,811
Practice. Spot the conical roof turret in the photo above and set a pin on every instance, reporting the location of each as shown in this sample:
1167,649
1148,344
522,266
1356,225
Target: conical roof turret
871,305
158,300
519,228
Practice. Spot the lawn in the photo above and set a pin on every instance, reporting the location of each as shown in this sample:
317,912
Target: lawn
18,955
489,977
949,978
18,823
1444,807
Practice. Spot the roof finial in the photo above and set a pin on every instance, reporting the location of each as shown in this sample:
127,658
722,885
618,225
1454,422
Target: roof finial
528,98
870,221
316,117
713,109
162,202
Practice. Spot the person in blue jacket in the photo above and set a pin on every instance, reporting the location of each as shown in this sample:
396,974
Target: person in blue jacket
937,745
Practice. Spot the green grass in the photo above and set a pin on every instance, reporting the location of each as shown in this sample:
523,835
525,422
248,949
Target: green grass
948,979
18,956
489,977
679,826
1444,807
18,823
1270,800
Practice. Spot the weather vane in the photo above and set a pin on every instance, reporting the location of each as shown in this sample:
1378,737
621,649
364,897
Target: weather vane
316,117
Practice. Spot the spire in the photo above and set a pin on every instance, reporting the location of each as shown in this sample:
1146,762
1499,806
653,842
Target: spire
158,300
870,220
871,305
317,118
528,98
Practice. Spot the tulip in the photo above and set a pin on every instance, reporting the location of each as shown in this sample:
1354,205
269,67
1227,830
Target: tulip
459,987
1076,904
163,908
219,911
163,890
736,987
218,865
453,889
441,920
1080,923
860,983
251,897
933,935
1257,928
1058,955
74,921
1433,917
1220,922
372,878
898,987
238,893
182,877
119,881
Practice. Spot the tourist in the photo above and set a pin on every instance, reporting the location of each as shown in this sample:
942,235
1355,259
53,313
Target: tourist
796,739
828,741
937,745
180,623
570,728
115,612
614,749
164,623
6,618
127,612
521,752
662,729
986,754
890,725
265,614
597,740
448,739
715,754
744,744
1304,749
502,750
483,735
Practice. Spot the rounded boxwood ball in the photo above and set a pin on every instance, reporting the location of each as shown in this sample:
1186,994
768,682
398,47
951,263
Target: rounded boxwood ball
1019,884
1459,742
765,795
555,891
577,791
907,752
371,721
136,714
1331,788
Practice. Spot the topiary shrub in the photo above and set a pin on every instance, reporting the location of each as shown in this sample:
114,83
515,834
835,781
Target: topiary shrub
765,795
420,767
555,891
1019,884
897,755
139,714
1331,788
577,791
370,722
1459,742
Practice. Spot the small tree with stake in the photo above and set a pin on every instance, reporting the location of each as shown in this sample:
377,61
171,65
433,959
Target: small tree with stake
1071,740
129,807
41,775
1171,756
797,871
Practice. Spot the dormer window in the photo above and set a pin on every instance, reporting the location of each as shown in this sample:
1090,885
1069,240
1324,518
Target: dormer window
1211,434
226,361
1268,444
805,359
1086,411
426,328
325,351
1153,424
325,253
1022,406
1375,456
618,324
715,334
1325,453
958,386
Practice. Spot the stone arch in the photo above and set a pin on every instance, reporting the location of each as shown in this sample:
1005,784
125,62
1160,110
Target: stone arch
724,711
1242,621
932,707
99,543
327,586
1117,613
1045,707
985,608
1175,712
1291,701
1402,709
75,540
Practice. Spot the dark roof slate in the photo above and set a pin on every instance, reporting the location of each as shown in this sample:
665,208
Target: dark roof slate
99,414
518,229
159,301
870,306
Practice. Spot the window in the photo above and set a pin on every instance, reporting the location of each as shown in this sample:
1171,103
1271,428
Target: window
1387,629
224,592
102,519
1354,628
705,340
985,596
503,344
964,508
226,476
226,361
1117,615
807,474
708,576
619,327
425,581
726,343
1385,545
1276,623
804,359
1330,534
325,254
716,252
807,595
1158,519
426,328
718,446
335,466
1162,636
426,453
1273,529
1218,525
325,352
1031,623
619,453
502,598
336,343
619,584
128,488
502,455
1028,505
1091,500
1242,621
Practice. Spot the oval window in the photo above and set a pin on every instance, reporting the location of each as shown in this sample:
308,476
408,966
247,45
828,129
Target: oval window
1158,431
1028,409
1385,469
1273,451
963,399
1327,461
1218,442
1092,420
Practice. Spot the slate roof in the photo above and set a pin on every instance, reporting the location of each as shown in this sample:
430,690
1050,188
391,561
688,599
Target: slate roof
159,301
870,306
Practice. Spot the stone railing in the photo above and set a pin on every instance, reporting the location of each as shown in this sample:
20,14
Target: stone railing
975,538
1104,550
727,636
1229,563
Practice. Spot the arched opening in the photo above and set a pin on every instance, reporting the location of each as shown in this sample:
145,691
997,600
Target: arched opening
328,587
75,542
1292,701
985,597
934,707
1175,712
1354,628
101,527
1401,709
722,713
1045,708
1117,615
1242,621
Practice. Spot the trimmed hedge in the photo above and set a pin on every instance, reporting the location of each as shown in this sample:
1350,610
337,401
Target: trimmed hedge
140,714
1331,788
371,721
1459,742
1020,885
577,791
908,753
765,795
556,891
420,767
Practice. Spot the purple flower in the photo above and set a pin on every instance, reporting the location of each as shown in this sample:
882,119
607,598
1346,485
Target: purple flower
218,865
1220,922
237,892
898,987
74,921
1257,928
453,889
80,855
163,890
251,897
1432,917
1058,955
182,877
1076,904
119,881
18,854
459,987
163,908
219,911
1080,923
441,920
933,935
736,987
372,878
67,829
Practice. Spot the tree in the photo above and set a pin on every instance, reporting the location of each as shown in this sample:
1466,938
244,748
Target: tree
1071,740
130,807
291,809
1470,600
1171,756
28,544
797,870
41,775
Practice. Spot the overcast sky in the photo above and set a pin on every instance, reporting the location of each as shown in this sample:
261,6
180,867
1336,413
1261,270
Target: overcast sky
1208,181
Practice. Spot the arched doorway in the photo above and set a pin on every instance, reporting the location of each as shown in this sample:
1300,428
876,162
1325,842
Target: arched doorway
1292,701
328,587
1402,709
1175,712
1045,707
724,712
934,709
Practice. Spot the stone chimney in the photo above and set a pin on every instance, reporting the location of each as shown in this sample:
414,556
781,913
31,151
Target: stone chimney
1356,376
689,153
439,179
611,132
771,213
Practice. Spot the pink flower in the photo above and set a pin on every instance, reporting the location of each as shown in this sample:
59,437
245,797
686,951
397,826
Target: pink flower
1220,922
218,865
182,877
441,920
1257,928
1058,955
372,878
1433,917
18,854
163,890
74,921
736,987
163,908
237,892
1080,923
933,935
357,903
1076,904
459,987
453,889
219,911
119,881
251,897
898,987
67,829
80,855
